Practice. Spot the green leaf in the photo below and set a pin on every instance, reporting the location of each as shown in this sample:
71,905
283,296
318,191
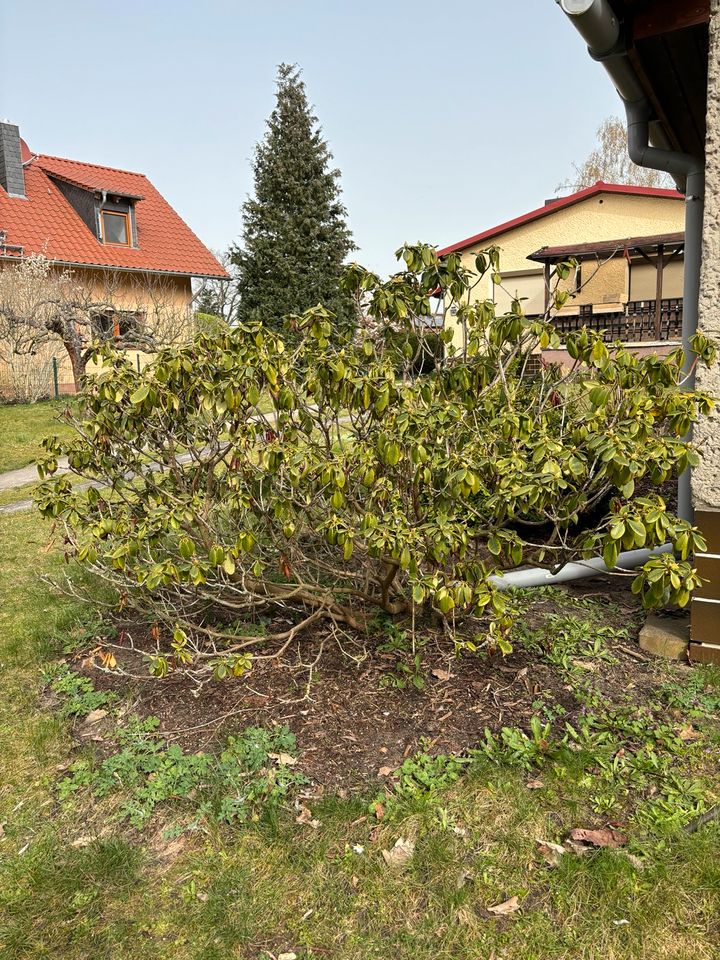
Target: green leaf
610,553
140,394
187,548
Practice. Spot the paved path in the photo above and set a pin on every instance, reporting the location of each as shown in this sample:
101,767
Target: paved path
20,478
25,475
29,474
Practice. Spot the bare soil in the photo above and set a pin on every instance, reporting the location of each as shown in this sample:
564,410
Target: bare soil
351,728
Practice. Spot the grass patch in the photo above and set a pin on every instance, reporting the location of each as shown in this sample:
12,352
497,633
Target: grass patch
22,428
75,882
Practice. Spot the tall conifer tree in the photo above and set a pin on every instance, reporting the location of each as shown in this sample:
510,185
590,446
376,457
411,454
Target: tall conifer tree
295,238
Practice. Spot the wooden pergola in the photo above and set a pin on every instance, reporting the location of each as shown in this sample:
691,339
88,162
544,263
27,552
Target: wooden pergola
658,250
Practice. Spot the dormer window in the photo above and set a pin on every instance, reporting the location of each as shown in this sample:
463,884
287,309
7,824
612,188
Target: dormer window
108,214
115,226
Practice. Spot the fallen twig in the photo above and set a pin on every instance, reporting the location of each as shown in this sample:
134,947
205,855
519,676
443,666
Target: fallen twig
635,654
712,814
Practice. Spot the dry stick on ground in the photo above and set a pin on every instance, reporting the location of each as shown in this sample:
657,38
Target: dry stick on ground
635,654
712,814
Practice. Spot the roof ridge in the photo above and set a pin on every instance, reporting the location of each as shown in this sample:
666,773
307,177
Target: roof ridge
86,163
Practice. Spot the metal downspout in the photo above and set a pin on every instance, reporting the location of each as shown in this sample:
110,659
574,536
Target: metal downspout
596,22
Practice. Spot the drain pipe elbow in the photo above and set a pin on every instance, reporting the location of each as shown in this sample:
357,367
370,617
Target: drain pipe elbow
679,165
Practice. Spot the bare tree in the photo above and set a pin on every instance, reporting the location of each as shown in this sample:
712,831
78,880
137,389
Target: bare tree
219,298
609,161
41,304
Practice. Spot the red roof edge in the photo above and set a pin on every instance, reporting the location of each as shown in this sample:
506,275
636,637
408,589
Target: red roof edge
562,202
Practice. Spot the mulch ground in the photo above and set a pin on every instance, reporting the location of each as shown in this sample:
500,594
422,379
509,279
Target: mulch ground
351,729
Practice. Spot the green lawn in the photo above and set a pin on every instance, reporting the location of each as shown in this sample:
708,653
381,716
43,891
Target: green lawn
77,883
22,428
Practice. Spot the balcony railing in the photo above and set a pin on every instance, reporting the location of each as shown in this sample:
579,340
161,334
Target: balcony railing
639,321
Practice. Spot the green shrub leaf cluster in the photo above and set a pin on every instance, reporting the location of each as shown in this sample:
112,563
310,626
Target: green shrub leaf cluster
358,485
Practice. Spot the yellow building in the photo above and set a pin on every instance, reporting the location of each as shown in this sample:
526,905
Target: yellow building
119,254
629,244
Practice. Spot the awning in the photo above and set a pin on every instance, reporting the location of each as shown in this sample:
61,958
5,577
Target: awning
606,248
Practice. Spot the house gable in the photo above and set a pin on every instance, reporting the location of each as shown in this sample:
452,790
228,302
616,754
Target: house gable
60,217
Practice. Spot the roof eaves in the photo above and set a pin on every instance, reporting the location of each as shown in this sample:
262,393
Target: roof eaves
87,265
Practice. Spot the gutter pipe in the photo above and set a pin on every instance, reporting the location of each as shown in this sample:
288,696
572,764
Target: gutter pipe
597,23
539,577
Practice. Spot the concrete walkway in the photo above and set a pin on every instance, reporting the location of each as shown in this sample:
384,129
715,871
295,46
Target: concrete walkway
24,475
18,478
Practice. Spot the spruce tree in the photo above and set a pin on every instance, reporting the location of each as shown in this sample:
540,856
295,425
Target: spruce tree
295,238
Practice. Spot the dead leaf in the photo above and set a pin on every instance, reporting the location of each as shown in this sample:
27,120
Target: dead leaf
635,861
509,906
534,784
95,715
385,771
400,854
283,759
354,881
441,674
688,732
305,817
551,852
379,810
287,956
579,849
605,838
584,664
82,842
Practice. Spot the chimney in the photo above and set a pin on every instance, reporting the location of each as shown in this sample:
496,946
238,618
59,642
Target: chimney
12,178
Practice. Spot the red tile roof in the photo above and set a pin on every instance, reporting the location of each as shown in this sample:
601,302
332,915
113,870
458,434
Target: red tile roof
586,194
45,222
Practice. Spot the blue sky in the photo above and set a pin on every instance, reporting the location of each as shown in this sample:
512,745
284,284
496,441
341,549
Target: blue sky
443,118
